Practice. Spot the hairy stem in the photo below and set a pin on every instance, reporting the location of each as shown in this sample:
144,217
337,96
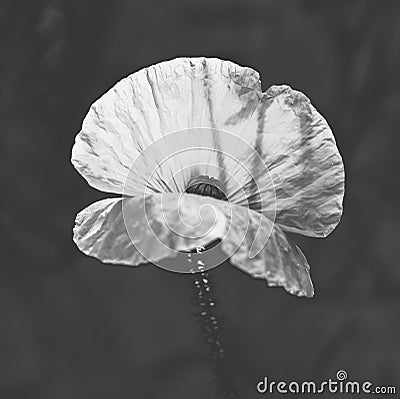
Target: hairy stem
205,301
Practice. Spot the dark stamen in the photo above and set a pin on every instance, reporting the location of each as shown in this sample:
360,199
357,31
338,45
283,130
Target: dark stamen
207,186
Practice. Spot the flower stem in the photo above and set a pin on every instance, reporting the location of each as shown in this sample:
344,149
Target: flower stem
205,301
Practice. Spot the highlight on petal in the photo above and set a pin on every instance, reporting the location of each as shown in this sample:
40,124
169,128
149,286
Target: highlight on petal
165,125
133,231
299,150
100,232
171,162
167,97
277,260
304,162
293,141
161,229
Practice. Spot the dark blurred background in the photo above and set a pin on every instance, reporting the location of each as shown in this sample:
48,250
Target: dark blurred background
71,327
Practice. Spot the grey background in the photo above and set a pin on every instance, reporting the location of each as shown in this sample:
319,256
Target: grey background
71,327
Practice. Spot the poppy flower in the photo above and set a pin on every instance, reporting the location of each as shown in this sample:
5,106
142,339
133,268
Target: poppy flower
201,157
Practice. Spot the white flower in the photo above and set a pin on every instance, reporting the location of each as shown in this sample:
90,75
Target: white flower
272,154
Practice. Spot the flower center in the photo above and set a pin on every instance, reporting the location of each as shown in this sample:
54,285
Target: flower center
207,186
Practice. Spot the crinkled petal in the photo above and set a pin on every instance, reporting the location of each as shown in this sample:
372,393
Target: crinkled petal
184,93
100,232
300,152
158,228
281,126
131,231
277,260
297,146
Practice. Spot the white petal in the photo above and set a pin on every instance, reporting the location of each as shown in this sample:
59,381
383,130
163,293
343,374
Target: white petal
304,163
180,94
277,260
132,231
279,129
299,150
100,232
